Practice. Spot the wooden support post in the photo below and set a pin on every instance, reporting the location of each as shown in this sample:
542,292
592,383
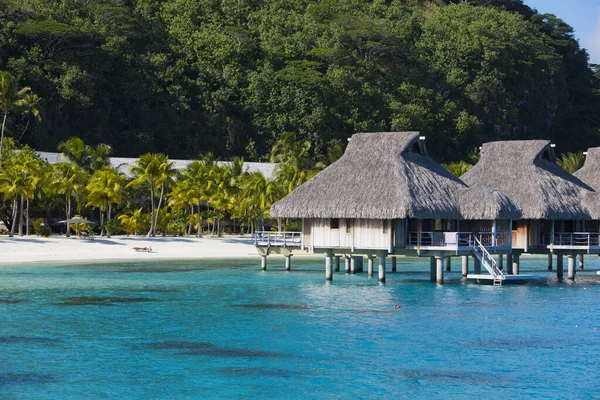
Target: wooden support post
516,264
509,264
476,266
394,266
381,267
288,262
328,262
432,269
439,270
465,265
263,263
550,262
448,264
559,266
501,261
581,262
337,264
571,259
353,262
360,264
370,265
347,264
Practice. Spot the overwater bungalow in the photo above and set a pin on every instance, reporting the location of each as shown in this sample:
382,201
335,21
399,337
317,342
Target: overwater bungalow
385,196
556,206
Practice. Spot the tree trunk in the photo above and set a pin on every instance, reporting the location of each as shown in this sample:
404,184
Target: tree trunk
21,208
14,221
199,217
151,231
27,218
101,223
68,214
2,136
160,199
24,130
108,212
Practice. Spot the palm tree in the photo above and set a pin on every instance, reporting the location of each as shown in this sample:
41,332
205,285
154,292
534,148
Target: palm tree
287,150
458,169
134,221
30,106
157,172
571,162
18,181
197,174
262,191
84,156
69,180
105,188
11,98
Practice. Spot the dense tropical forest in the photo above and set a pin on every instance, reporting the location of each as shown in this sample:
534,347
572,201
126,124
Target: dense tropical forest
231,77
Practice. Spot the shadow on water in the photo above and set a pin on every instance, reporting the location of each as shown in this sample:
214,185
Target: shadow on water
452,377
27,339
24,379
10,301
275,306
102,301
264,372
513,343
208,349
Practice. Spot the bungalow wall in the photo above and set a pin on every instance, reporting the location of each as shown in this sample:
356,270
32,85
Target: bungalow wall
348,233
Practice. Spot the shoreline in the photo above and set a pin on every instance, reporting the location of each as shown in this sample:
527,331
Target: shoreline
58,248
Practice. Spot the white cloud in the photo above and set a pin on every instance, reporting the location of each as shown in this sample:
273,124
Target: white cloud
592,41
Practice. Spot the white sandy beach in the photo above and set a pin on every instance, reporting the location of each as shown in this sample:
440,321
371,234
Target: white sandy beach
60,248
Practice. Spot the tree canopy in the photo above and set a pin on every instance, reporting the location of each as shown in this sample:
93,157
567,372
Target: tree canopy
188,77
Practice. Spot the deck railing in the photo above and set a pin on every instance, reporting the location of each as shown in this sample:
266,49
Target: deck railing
277,239
575,239
460,239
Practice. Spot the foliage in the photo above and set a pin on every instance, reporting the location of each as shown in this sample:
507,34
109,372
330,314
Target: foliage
571,162
458,169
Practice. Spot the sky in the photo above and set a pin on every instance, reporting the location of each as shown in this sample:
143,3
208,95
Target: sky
582,15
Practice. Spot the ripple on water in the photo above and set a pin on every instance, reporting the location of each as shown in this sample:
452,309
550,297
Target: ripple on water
275,306
27,339
10,301
448,376
253,371
24,378
208,349
102,300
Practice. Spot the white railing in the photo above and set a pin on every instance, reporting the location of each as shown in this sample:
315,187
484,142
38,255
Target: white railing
486,259
277,239
460,239
579,239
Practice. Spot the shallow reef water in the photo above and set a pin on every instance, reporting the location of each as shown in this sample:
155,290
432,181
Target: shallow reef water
226,329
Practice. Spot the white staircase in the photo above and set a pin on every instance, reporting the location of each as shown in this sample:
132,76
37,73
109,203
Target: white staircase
487,261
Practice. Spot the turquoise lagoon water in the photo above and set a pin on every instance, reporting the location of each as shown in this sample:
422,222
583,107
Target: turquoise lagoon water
224,329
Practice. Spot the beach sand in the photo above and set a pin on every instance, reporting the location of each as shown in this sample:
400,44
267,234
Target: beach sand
60,248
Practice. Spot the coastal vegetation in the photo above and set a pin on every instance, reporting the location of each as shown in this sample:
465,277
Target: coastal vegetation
192,77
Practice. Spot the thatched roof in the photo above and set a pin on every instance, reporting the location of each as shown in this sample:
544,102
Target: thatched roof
481,203
591,202
383,175
525,171
590,172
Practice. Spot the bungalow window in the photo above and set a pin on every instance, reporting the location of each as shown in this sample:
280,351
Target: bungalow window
348,225
335,223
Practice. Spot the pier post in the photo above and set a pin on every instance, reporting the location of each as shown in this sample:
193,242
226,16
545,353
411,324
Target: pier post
476,266
465,265
347,264
263,263
360,264
353,264
501,261
448,264
394,268
439,270
288,262
337,264
559,266
370,265
509,264
581,261
516,264
381,267
432,269
328,262
550,262
571,259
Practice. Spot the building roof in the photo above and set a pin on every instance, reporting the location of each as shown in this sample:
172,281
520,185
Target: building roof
124,164
590,172
526,171
386,175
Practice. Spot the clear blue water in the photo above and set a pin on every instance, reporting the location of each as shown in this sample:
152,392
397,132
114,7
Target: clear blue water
224,329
